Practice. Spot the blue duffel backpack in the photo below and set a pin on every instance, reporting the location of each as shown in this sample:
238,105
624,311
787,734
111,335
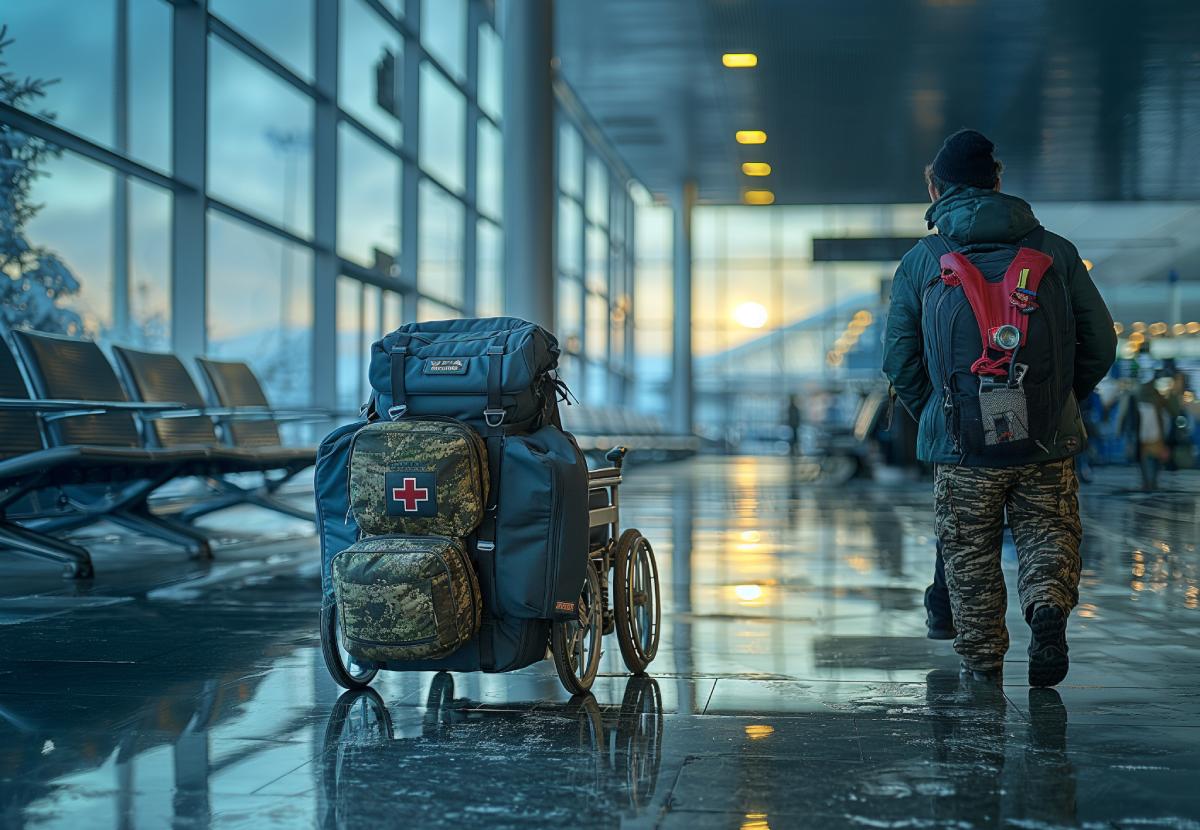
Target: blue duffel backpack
529,550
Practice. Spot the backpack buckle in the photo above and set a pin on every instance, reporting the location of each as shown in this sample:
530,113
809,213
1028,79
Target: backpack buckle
1019,370
493,417
397,412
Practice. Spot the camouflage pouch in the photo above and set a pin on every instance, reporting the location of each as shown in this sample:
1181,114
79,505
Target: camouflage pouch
418,476
405,597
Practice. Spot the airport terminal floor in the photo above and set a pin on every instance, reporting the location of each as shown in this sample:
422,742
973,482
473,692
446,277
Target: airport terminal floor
794,686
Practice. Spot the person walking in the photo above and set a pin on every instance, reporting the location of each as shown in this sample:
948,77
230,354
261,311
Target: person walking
1153,431
995,332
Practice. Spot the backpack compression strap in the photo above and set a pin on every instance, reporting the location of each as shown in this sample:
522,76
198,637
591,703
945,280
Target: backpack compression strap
1001,308
397,360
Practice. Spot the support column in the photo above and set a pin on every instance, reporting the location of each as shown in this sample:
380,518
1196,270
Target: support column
121,313
1175,297
325,270
471,213
529,203
189,226
682,388
410,197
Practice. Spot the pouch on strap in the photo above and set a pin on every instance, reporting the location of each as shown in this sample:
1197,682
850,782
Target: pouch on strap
399,357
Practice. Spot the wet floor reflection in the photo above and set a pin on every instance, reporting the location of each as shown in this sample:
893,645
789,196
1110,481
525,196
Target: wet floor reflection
574,762
794,686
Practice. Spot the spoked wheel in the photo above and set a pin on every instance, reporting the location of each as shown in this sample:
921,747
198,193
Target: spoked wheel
636,601
345,670
576,643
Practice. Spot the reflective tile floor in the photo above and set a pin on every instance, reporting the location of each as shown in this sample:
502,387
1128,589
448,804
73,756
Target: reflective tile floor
794,686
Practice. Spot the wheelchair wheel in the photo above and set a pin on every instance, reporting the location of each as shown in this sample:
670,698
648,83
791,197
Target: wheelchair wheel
439,699
346,672
576,643
636,601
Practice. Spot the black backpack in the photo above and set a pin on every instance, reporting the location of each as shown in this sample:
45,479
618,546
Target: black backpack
491,373
999,402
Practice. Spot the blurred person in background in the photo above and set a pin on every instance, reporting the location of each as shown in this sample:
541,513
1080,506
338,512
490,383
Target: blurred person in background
792,420
1153,426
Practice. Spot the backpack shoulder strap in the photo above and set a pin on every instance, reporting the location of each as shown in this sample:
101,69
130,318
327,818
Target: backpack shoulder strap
1035,239
937,244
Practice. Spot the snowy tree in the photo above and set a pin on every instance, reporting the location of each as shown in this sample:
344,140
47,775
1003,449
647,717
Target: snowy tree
32,278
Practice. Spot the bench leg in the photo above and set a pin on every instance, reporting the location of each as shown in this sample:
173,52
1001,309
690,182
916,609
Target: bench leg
140,519
77,562
233,495
211,505
280,506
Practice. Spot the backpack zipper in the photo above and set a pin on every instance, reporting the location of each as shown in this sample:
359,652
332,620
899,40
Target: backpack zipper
944,371
555,532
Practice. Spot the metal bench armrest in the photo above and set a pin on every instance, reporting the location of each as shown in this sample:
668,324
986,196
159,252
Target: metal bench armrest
52,409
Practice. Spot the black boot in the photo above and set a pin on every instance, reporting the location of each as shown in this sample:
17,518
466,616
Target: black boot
1048,661
939,621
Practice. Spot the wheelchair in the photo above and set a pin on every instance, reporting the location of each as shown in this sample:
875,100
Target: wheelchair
621,591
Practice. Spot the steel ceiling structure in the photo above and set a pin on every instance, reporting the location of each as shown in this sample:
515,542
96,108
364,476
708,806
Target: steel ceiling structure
1087,100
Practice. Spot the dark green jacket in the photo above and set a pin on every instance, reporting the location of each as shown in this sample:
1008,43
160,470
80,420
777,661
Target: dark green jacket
969,215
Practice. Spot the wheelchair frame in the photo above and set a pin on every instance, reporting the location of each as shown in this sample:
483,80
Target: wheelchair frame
628,601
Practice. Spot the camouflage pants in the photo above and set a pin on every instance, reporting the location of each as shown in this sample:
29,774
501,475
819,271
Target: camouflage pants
1043,514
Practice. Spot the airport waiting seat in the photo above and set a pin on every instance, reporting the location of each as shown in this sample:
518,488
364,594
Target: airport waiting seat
234,386
71,473
61,367
155,376
598,429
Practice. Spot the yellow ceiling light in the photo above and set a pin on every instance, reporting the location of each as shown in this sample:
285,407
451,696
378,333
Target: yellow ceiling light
751,315
1158,329
751,137
1193,328
1178,329
756,168
739,60
758,197
1118,328
1139,326
1087,263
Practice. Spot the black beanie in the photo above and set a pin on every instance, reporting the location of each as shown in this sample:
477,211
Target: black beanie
966,158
